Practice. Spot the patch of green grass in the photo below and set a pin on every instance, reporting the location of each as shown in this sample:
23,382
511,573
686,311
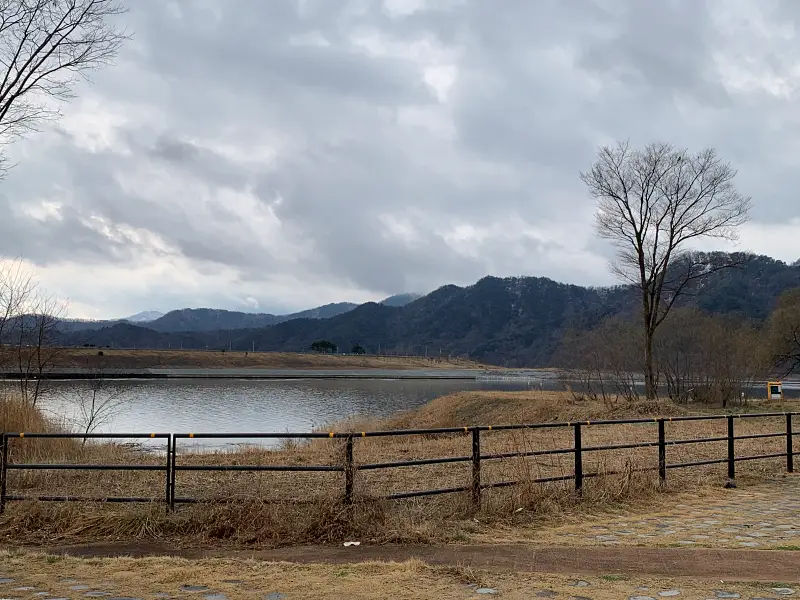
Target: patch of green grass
614,578
792,547
779,584
460,536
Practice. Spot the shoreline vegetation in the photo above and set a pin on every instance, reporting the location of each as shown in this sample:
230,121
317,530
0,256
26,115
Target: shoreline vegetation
118,359
281,508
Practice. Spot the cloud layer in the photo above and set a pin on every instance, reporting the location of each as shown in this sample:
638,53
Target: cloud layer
296,152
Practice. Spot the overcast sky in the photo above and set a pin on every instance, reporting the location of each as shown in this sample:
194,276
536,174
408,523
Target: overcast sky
283,154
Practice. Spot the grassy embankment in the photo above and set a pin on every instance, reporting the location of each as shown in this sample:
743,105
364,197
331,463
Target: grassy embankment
88,358
279,507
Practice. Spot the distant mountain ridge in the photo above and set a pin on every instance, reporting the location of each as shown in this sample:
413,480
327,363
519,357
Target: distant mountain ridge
516,321
214,319
144,317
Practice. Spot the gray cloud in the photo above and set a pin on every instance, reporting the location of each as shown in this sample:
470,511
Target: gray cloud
300,152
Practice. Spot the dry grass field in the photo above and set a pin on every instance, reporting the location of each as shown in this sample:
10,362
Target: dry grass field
275,508
88,358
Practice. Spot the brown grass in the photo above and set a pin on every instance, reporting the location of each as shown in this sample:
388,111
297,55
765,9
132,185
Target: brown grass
274,508
251,579
88,358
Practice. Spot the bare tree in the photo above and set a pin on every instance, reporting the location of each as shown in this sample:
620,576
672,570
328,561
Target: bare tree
37,346
783,333
603,361
708,358
46,46
96,404
651,203
16,286
29,320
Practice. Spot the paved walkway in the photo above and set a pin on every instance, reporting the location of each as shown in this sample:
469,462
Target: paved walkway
765,516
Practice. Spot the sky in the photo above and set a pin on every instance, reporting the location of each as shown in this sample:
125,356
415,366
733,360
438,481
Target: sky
277,155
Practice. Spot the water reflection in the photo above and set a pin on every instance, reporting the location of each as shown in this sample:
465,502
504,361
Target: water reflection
238,406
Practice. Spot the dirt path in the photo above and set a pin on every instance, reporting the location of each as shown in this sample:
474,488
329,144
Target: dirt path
33,576
707,563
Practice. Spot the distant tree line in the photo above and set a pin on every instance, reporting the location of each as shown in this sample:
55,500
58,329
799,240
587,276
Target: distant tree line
697,357
328,347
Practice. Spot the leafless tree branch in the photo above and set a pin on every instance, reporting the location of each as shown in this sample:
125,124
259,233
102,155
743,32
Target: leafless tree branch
651,203
29,320
46,46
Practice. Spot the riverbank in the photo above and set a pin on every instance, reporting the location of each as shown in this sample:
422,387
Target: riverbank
110,358
265,374
275,507
85,363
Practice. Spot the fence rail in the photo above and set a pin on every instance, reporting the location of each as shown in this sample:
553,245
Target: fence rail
349,468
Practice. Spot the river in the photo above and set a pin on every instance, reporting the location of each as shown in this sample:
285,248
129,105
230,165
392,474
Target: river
247,405
239,406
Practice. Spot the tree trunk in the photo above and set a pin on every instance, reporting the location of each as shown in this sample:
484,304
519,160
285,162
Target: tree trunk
650,387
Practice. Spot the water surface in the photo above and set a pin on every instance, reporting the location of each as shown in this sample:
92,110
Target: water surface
243,406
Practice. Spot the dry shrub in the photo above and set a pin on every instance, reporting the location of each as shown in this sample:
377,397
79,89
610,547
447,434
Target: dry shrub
249,522
18,416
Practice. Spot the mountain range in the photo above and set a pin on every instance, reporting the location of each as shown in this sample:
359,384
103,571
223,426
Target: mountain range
214,319
516,321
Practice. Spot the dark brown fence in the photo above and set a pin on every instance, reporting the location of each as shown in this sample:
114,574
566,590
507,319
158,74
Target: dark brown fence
349,468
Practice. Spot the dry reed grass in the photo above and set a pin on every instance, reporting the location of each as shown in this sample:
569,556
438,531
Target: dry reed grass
274,508
88,358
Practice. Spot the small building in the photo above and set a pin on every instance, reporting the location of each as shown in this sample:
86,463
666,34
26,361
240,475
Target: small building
775,390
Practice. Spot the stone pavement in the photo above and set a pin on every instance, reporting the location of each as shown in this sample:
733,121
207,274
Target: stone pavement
766,516
574,589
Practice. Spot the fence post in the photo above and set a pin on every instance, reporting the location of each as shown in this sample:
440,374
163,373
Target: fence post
349,471
578,459
168,475
476,467
3,473
731,455
789,449
662,453
173,471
